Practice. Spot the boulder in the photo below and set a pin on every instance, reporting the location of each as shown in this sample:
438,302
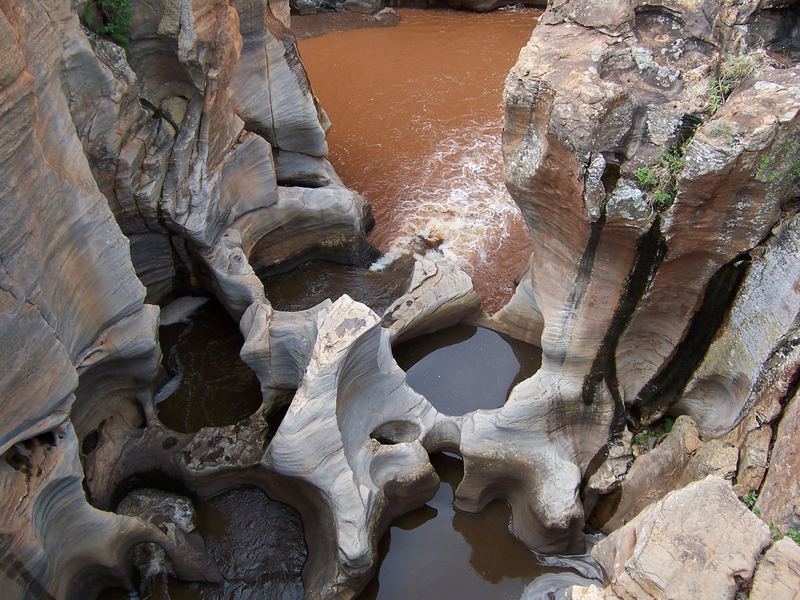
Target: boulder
778,573
697,542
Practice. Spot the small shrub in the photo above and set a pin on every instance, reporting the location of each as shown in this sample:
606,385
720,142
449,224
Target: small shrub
794,535
750,499
646,176
777,166
111,18
732,72
654,432
775,532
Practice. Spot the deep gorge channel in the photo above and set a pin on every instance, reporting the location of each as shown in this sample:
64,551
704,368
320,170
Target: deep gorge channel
419,134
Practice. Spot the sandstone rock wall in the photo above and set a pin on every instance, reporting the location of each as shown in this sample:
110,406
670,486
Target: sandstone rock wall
158,160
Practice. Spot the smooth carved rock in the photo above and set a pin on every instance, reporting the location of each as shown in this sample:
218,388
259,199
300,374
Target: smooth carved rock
520,317
439,295
697,542
778,573
370,459
616,277
763,315
74,549
533,453
271,88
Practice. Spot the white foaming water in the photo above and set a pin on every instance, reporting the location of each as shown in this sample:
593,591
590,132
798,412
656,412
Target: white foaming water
460,200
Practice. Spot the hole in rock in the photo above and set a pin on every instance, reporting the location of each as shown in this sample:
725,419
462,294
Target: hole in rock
314,281
611,175
396,432
417,127
209,385
439,552
90,442
257,543
464,368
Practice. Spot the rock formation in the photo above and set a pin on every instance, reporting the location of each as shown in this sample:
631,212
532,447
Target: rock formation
653,150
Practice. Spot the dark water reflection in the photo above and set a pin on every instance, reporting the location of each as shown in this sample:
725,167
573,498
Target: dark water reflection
464,368
212,386
438,552
256,542
317,280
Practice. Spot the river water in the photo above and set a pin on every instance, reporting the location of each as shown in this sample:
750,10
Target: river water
417,123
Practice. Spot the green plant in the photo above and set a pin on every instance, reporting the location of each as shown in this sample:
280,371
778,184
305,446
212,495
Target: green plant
646,176
794,535
771,166
662,178
732,71
654,432
774,531
756,511
750,499
111,18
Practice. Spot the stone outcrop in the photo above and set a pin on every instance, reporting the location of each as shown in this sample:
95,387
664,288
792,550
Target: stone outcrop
625,284
664,279
778,573
697,542
680,458
779,500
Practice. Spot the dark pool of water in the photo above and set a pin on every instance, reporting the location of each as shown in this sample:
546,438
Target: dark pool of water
464,368
257,543
215,388
314,281
439,552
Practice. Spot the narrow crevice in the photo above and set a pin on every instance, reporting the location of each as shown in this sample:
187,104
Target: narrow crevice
663,390
650,251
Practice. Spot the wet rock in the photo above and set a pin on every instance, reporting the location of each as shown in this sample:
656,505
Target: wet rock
487,5
387,16
778,573
663,553
171,513
763,314
363,6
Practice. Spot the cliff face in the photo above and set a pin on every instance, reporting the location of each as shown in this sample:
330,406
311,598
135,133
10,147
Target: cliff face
653,150
166,162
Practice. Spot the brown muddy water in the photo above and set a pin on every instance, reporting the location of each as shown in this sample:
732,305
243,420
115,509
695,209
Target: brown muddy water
209,384
439,552
417,123
312,282
464,368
